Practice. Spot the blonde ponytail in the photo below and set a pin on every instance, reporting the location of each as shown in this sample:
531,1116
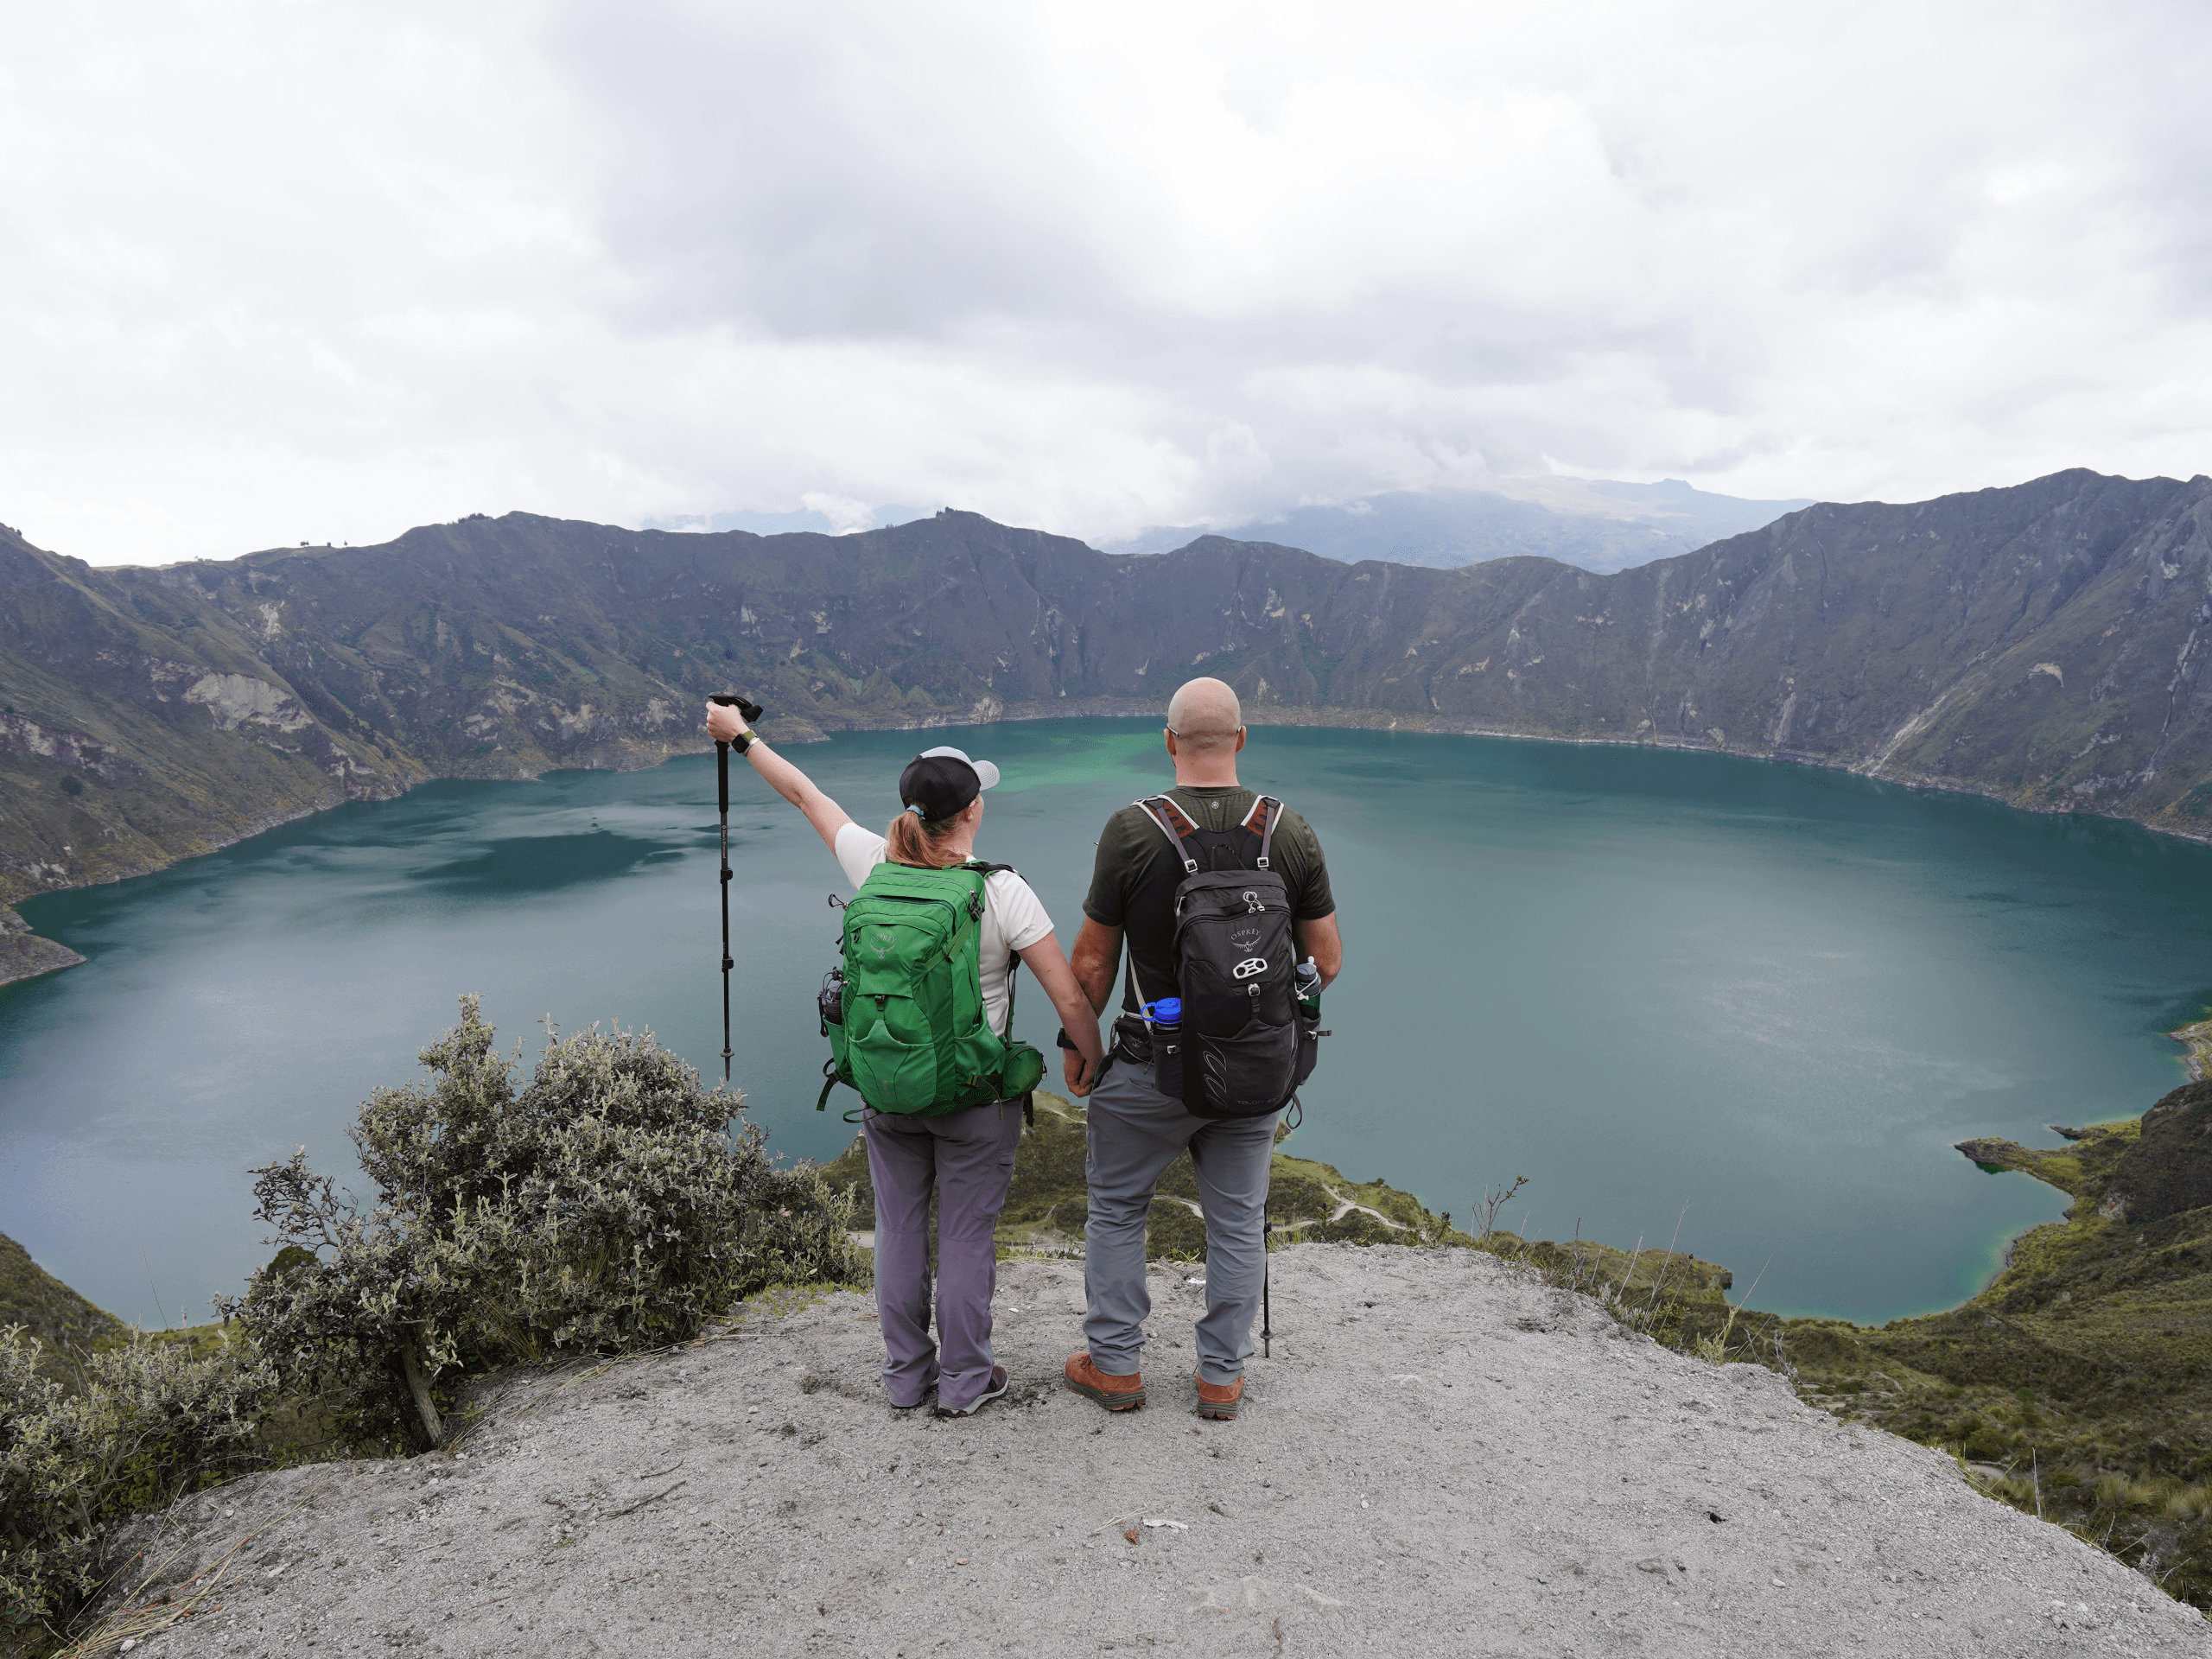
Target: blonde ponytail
913,839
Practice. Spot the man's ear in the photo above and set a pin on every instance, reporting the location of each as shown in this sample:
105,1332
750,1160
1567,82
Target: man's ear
1240,742
1170,736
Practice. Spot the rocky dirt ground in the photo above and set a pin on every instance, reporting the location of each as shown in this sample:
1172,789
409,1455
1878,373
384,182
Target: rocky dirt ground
1443,1456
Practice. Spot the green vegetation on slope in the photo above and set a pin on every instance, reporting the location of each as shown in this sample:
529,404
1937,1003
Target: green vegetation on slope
1046,1203
65,1324
1307,1202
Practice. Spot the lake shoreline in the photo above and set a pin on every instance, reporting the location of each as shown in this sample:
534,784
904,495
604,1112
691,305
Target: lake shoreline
1773,934
25,955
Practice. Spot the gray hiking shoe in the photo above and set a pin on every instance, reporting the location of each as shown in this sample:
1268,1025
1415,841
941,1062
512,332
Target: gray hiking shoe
998,1384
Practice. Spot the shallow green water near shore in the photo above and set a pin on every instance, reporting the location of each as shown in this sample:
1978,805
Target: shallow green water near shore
1759,1000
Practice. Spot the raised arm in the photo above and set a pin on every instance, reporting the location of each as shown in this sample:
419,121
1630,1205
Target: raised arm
1078,1018
725,724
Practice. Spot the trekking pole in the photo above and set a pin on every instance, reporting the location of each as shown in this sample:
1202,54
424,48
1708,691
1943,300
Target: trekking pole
752,711
1267,1276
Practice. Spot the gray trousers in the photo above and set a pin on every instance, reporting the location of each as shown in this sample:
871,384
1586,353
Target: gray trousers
966,1158
1136,1132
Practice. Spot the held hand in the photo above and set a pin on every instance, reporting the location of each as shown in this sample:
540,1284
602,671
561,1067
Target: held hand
724,723
1081,1074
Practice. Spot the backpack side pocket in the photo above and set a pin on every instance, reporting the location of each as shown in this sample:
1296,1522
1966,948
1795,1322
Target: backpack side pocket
1023,1071
1309,1051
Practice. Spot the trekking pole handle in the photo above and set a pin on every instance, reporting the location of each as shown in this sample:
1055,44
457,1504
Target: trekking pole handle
752,711
744,705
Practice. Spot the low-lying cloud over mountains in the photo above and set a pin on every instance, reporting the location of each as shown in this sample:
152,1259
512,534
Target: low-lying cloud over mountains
317,273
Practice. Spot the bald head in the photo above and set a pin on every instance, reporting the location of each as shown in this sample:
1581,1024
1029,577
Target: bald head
1205,717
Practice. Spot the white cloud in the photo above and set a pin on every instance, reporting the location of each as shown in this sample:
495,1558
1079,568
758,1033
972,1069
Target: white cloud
319,272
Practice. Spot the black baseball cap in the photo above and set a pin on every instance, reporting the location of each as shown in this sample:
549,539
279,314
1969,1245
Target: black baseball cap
941,782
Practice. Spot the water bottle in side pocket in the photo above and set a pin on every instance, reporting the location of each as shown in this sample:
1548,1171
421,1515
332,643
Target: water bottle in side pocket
1164,1019
1309,1020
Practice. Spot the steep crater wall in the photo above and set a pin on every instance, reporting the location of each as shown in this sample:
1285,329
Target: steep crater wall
2043,644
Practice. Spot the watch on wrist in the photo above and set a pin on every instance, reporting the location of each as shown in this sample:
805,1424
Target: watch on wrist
1067,1042
744,741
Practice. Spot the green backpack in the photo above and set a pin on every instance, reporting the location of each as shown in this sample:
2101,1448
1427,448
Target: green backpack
904,1012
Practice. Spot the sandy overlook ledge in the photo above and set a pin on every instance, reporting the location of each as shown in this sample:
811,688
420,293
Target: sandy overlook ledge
1443,1457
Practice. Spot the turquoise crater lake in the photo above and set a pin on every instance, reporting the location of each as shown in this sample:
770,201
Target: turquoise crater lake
1760,1000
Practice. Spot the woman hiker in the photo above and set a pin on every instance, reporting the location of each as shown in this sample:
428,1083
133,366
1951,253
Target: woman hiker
967,1156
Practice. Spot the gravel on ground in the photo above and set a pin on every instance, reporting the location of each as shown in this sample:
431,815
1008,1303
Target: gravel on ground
1442,1456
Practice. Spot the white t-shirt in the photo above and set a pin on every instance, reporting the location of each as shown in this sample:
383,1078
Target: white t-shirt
1014,918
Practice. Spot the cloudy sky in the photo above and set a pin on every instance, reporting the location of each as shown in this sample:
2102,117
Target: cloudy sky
286,272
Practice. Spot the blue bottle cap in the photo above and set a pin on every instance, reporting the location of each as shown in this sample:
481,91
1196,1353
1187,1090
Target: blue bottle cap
1168,1011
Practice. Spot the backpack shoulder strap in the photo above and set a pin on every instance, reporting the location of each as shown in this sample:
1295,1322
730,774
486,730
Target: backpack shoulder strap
1268,811
1157,807
1130,979
1267,831
1013,957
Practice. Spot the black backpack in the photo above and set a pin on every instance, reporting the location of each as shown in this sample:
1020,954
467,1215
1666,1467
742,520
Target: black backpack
1244,1046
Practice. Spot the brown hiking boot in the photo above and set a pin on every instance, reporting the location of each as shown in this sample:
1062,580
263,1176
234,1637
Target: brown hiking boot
1218,1400
1115,1393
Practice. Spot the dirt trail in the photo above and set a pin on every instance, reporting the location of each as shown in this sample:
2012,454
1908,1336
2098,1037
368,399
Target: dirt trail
1443,1457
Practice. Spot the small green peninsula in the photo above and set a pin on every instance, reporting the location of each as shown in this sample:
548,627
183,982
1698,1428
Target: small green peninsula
2079,1382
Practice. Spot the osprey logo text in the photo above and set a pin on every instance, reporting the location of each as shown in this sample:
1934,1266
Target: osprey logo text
885,938
1243,938
1250,966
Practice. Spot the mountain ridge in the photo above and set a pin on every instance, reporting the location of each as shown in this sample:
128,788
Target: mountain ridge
2041,644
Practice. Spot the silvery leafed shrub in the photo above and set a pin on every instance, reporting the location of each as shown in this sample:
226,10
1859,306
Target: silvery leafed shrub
600,1205
154,1419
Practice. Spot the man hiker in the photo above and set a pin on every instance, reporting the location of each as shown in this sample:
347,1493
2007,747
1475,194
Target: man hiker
1144,856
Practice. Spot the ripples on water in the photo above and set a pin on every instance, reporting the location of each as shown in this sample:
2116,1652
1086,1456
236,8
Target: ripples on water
1644,980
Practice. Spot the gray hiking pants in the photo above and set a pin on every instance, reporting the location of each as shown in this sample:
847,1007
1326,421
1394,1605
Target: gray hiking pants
1136,1132
966,1158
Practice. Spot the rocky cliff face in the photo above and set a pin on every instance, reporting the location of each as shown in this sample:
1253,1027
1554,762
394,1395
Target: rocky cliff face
2043,644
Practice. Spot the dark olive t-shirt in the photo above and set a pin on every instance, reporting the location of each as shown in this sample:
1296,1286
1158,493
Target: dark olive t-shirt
1133,883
